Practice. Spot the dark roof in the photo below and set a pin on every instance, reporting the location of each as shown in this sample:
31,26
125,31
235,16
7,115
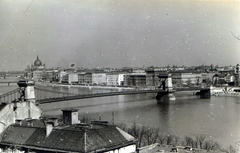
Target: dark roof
66,139
35,123
2,105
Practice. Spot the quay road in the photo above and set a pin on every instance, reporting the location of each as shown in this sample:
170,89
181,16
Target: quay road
73,97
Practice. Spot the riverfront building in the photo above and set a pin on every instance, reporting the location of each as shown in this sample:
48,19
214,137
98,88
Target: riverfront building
73,78
38,72
135,79
115,79
99,78
85,78
152,78
63,77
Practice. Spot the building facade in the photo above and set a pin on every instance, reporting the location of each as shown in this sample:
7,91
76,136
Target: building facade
73,78
135,79
152,78
99,78
36,70
191,78
115,79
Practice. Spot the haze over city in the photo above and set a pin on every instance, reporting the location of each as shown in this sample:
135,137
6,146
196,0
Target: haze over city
105,33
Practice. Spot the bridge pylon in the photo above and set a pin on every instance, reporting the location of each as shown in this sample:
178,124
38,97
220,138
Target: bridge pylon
26,91
165,89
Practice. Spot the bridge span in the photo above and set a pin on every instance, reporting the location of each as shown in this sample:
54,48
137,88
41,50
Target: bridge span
43,96
94,95
28,91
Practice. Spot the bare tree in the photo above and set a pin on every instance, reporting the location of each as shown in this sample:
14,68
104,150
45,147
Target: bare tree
209,145
175,139
189,141
151,135
161,138
169,139
200,139
137,132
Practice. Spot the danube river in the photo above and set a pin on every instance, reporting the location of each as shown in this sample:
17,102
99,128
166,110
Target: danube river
218,118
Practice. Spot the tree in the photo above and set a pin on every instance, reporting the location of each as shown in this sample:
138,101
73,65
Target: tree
161,138
137,132
169,139
151,135
200,140
189,141
211,146
175,140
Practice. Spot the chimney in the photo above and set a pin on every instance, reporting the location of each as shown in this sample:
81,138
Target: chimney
29,122
18,121
49,127
54,120
70,116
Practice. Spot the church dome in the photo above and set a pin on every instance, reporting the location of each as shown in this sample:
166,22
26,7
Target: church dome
37,62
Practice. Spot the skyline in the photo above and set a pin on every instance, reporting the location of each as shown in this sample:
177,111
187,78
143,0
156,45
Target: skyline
118,33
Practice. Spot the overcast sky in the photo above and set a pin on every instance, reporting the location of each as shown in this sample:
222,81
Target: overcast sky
118,33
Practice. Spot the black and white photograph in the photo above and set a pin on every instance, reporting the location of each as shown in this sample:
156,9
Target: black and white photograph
119,76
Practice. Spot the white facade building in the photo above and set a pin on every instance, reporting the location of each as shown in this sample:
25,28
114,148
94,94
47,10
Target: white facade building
99,78
193,78
73,78
115,79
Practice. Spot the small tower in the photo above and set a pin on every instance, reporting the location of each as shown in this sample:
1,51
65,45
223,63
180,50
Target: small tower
166,82
165,88
27,90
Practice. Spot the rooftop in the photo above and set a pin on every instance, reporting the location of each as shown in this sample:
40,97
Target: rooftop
74,138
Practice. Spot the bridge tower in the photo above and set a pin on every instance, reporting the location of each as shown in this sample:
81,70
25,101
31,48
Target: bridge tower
165,89
166,82
27,90
20,109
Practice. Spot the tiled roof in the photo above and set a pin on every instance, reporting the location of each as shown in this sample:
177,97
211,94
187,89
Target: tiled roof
65,139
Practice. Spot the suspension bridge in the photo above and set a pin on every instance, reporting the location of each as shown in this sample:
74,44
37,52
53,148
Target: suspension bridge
28,90
48,96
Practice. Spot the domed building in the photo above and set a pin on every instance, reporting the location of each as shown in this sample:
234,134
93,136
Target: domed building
37,62
36,71
37,65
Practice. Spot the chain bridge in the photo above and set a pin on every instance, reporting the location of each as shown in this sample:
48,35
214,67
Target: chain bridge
48,96
28,90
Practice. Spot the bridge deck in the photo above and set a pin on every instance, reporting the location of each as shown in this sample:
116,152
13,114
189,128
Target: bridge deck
74,97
